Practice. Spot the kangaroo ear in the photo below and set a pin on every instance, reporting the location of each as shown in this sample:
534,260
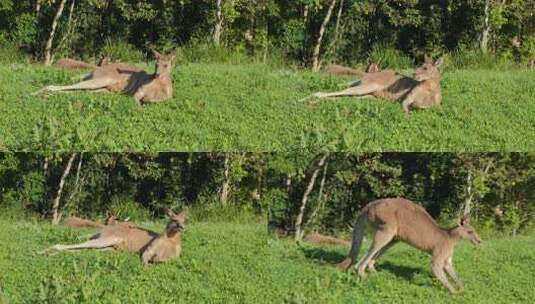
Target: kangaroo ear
439,62
169,212
465,220
156,54
427,59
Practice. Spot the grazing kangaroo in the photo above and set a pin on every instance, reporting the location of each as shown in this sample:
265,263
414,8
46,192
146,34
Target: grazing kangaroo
338,70
397,219
169,244
120,77
125,236
422,91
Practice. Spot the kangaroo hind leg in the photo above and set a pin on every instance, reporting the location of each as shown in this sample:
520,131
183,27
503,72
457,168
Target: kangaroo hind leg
381,239
93,84
99,243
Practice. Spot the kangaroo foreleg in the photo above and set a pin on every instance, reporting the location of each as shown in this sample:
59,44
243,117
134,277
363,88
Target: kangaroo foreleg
451,272
438,271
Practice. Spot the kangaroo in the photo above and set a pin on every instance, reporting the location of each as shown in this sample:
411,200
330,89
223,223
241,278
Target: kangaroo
421,91
338,70
73,64
398,219
168,245
320,239
124,236
121,77
77,222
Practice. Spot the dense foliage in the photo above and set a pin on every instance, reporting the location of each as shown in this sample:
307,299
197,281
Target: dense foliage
355,30
498,187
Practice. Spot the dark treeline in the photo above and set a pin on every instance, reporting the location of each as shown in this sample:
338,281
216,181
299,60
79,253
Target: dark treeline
300,191
306,32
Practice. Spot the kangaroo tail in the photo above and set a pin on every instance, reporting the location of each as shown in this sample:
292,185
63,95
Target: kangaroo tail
358,235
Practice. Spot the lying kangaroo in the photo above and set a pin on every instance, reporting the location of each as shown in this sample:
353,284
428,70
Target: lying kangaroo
120,77
338,70
127,236
77,222
422,91
169,244
397,219
73,64
320,239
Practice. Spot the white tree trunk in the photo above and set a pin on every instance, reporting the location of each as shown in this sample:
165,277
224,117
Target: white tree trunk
484,43
316,54
225,188
304,200
55,205
218,28
48,47
320,193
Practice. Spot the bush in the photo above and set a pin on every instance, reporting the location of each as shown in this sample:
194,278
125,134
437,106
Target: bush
9,53
120,50
464,58
389,57
209,53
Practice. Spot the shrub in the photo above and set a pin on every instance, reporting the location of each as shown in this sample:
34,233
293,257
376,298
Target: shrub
120,50
390,57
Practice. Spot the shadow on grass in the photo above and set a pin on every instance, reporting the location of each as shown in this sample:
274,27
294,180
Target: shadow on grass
333,257
320,254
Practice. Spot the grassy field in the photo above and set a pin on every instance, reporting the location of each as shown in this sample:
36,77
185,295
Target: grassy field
238,263
257,108
218,265
499,271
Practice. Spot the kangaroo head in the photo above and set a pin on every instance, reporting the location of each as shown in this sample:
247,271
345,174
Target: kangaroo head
467,232
164,63
105,60
177,222
372,68
429,70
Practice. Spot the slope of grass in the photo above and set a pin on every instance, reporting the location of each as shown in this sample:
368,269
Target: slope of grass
238,263
257,108
498,271
217,265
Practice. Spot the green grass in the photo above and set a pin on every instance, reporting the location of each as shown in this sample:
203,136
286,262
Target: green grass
218,265
256,108
499,271
238,263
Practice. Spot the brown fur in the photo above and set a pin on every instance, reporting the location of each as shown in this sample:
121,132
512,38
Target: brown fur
168,245
121,77
73,64
320,239
397,219
421,91
339,70
129,237
76,222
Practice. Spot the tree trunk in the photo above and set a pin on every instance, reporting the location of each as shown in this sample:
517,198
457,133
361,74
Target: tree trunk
469,195
337,30
218,28
77,179
225,188
48,47
304,200
320,194
37,7
68,32
316,54
55,205
486,28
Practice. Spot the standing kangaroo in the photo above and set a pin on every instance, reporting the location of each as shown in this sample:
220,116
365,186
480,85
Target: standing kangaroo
397,219
421,91
121,77
129,237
